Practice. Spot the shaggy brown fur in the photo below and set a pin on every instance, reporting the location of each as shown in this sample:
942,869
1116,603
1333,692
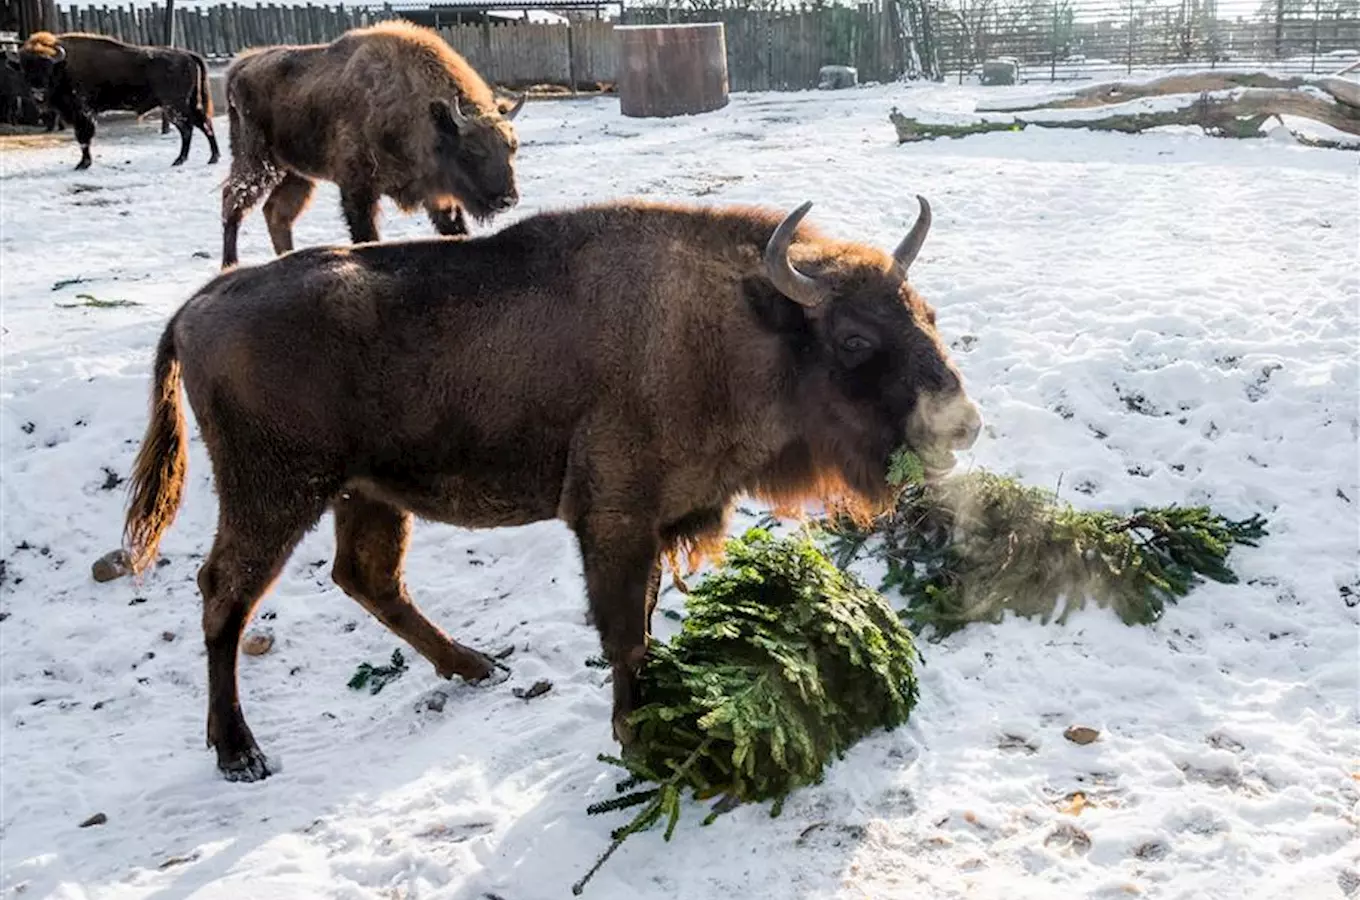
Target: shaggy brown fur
386,111
80,75
627,368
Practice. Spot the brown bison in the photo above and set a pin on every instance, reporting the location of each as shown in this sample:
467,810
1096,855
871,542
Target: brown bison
386,111
78,76
627,368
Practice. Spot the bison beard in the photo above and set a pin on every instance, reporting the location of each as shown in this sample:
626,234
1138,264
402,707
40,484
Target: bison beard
386,111
628,368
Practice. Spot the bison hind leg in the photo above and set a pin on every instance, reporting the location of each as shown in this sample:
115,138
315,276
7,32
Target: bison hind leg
250,549
370,544
285,204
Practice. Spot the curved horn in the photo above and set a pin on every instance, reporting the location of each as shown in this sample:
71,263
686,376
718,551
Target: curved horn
458,118
61,54
789,281
519,104
906,251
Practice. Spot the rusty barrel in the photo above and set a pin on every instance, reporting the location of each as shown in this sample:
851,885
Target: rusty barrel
672,70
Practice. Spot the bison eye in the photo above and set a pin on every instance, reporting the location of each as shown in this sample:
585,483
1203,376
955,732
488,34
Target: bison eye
856,344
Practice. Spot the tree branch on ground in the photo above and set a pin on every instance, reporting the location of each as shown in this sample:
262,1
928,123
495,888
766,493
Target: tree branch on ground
1236,105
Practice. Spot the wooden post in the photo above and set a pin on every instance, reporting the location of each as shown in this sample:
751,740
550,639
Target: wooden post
169,23
672,70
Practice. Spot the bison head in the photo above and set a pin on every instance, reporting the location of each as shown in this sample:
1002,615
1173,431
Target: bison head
41,61
874,375
476,156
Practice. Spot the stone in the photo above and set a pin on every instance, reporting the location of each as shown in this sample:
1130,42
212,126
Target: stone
257,643
836,78
112,565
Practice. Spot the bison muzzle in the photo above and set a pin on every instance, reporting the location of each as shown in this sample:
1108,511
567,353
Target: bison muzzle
627,368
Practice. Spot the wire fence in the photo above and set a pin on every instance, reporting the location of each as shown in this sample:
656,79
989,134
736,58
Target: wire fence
1078,39
777,45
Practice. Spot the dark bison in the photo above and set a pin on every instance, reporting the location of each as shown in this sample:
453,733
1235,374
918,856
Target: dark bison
627,368
386,111
81,75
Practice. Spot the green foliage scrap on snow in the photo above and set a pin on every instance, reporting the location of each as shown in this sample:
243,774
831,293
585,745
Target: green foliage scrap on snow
783,662
375,678
976,546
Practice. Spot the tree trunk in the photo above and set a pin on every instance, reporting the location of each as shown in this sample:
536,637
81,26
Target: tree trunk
1239,115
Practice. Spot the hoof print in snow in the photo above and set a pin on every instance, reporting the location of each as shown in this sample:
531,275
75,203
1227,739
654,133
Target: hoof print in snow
111,480
1151,851
168,636
257,643
1016,742
96,819
1080,734
1349,882
538,689
432,702
1069,838
112,565
504,652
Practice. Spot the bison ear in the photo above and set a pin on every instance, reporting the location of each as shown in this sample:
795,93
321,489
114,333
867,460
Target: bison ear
442,114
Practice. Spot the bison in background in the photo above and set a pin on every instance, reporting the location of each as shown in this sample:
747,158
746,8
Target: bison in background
385,111
626,368
81,75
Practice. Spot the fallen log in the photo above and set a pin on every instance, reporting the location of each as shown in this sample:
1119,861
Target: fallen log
1239,113
1341,90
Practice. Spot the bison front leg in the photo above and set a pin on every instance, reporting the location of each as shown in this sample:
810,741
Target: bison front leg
360,206
622,564
84,125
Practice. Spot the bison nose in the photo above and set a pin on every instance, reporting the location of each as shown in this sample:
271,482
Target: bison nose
505,201
966,432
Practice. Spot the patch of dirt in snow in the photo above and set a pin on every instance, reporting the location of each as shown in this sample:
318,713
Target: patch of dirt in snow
1155,319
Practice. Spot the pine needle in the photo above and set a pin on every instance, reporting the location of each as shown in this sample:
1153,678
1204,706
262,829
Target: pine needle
977,546
783,662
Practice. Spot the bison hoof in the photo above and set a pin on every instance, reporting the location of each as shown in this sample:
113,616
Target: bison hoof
178,162
249,765
212,161
83,164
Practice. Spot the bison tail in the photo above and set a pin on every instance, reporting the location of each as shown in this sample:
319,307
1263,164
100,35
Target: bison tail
158,475
204,88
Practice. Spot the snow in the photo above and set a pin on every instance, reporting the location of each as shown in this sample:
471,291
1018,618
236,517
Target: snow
1152,319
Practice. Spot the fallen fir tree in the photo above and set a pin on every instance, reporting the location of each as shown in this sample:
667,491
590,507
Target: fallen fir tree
785,658
977,546
1223,104
783,662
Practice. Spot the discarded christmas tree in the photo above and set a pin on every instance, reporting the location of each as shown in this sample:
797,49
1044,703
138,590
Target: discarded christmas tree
976,546
783,662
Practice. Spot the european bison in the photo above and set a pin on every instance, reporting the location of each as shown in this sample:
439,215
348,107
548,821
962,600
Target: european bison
81,75
386,111
627,368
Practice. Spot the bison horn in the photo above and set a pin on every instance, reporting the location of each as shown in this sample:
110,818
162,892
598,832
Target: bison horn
911,244
458,118
789,281
519,104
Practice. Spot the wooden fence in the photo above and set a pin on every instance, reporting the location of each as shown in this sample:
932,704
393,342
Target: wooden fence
765,50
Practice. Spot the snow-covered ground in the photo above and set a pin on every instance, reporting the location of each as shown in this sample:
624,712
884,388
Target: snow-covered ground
1147,319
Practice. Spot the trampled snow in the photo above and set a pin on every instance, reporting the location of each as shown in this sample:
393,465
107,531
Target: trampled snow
1154,319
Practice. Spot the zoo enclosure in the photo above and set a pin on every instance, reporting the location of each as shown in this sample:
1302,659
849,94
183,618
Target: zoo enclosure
782,49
